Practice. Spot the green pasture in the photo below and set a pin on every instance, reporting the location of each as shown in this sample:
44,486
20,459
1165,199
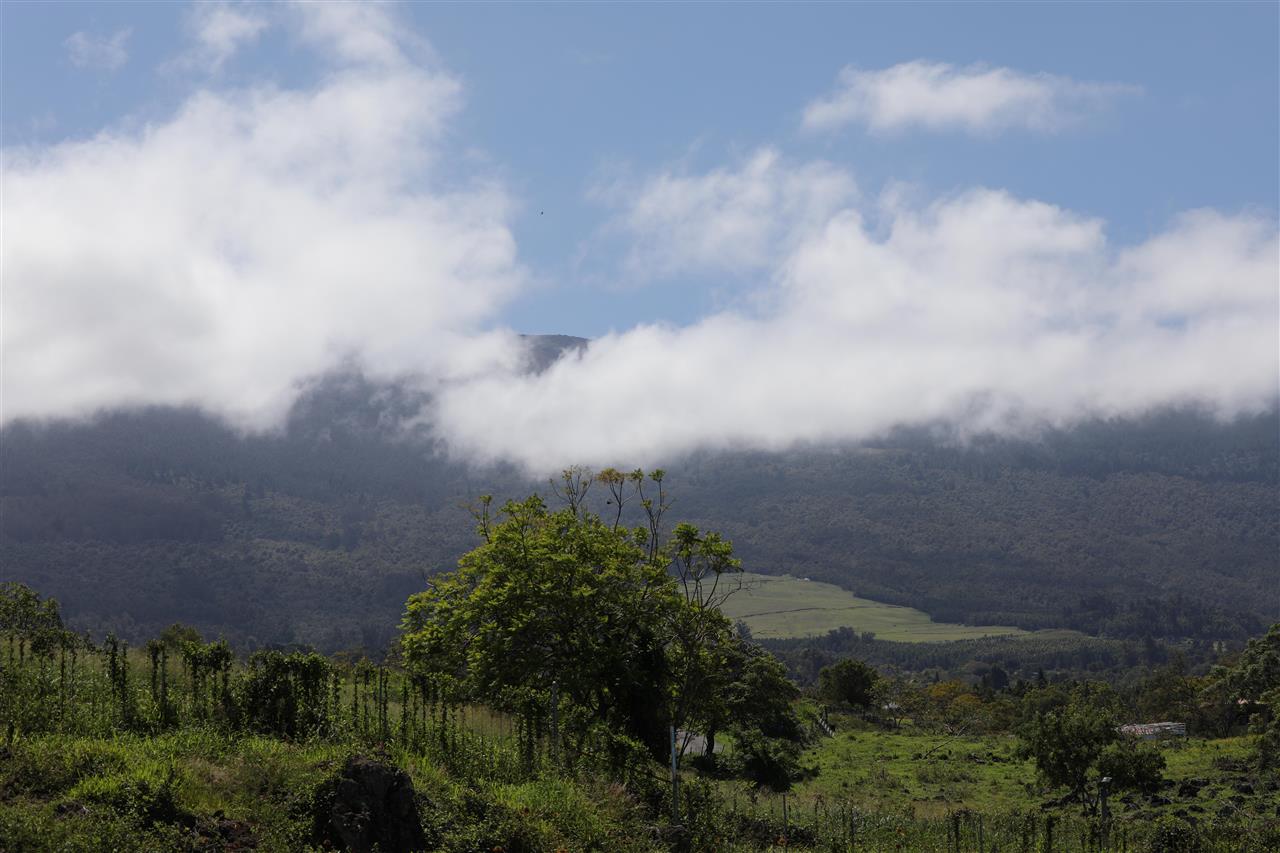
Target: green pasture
934,774
781,606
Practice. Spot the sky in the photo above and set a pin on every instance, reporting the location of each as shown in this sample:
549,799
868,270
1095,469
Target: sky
780,223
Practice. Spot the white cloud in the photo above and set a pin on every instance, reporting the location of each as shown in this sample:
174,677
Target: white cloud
219,30
975,99
253,238
259,236
728,220
981,310
365,33
106,53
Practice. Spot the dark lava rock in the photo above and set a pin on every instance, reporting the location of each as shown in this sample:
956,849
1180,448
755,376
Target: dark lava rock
369,804
1158,800
71,808
1190,788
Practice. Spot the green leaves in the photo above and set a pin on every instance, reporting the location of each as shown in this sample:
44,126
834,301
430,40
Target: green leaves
628,629
551,596
848,682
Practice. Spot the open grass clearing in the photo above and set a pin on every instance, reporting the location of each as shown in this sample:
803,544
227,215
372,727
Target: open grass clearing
782,606
933,775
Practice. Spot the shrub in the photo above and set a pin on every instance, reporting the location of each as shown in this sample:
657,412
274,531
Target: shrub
1132,766
1173,835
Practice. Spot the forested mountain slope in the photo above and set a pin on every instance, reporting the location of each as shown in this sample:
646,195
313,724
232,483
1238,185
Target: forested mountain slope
1166,526
318,533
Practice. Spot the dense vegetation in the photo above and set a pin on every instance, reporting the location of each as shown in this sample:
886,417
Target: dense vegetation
183,745
1049,654
316,533
1163,527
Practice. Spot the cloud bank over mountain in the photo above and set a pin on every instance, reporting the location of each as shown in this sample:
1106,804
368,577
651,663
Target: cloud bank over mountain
982,310
261,235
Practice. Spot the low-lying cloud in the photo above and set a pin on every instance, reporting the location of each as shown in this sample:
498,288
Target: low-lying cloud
976,99
983,310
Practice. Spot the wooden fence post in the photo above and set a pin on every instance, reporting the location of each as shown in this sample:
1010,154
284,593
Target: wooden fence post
675,780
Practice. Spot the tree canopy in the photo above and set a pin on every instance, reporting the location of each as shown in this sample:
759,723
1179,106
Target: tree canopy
848,682
625,626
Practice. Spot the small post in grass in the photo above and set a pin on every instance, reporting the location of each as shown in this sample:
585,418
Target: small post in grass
555,722
786,824
1103,785
675,780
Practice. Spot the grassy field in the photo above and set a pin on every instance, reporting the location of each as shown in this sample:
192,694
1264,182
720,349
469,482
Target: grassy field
201,790
778,607
929,776
880,770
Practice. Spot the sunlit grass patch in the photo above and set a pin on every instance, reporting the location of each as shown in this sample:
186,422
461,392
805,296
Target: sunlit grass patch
781,606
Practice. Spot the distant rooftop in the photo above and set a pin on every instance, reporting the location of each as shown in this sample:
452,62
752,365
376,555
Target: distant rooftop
1151,731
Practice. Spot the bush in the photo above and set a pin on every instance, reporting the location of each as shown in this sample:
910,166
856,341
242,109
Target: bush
1132,766
144,799
286,694
765,762
1173,835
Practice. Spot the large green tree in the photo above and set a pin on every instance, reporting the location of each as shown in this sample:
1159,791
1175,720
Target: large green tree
626,628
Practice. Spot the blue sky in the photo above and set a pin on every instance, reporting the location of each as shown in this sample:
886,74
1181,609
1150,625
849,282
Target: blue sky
558,94
728,172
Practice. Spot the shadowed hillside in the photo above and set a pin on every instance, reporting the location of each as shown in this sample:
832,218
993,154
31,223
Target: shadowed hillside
318,533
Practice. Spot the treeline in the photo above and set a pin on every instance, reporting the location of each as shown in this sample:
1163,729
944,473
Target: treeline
1239,692
1057,656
